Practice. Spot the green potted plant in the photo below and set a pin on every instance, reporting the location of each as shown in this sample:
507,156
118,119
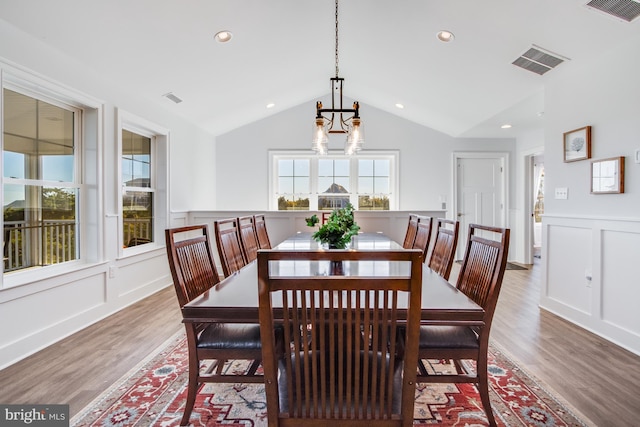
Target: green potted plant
312,220
339,229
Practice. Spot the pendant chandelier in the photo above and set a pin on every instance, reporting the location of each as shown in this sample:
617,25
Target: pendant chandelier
337,119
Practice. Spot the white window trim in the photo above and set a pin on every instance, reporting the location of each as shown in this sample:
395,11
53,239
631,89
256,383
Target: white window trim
392,155
159,179
14,77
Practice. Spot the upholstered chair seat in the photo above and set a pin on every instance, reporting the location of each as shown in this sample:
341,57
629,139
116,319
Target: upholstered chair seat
436,336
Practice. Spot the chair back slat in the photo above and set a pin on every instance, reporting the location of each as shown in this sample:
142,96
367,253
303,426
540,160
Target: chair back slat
423,235
350,353
191,261
485,260
248,238
410,235
261,232
444,248
229,247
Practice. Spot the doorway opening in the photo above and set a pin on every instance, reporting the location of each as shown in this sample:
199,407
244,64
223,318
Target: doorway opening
538,204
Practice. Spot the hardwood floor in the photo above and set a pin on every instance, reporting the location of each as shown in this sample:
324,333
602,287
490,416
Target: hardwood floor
600,379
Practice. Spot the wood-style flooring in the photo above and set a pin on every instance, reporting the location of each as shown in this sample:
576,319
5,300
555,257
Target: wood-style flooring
598,378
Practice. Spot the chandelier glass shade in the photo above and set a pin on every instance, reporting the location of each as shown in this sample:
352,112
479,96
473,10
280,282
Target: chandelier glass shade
337,119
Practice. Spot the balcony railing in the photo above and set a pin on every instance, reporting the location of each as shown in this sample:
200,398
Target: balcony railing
49,242
54,242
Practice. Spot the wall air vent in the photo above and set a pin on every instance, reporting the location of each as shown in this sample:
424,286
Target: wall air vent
172,97
627,10
538,60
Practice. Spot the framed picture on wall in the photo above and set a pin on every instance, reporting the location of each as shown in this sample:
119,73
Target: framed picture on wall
577,144
607,176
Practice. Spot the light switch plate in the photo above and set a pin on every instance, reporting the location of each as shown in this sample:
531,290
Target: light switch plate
637,157
562,193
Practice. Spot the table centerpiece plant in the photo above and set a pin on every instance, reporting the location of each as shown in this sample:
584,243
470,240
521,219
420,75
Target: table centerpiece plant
339,229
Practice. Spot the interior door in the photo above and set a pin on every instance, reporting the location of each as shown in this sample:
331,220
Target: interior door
479,195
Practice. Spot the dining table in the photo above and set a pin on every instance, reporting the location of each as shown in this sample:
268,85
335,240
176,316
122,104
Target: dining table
235,298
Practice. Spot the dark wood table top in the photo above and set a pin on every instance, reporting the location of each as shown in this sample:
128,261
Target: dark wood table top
235,299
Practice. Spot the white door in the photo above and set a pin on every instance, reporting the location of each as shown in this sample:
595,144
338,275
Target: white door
480,199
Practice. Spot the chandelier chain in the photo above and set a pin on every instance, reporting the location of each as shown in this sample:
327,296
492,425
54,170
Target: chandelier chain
337,70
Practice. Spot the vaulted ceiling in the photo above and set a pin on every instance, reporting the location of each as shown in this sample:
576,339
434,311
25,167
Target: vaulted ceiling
282,52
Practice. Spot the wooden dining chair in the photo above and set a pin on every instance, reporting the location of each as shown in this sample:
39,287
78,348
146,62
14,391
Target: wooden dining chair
444,248
423,235
248,238
345,362
229,246
261,232
480,278
410,235
193,271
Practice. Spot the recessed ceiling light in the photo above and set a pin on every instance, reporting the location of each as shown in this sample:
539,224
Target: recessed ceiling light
223,36
507,126
271,105
400,106
445,36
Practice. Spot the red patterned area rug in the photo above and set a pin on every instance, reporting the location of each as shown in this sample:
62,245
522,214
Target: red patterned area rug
153,394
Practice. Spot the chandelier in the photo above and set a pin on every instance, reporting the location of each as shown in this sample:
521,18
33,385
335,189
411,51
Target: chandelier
337,119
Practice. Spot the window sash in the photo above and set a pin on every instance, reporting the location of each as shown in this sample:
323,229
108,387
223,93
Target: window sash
318,199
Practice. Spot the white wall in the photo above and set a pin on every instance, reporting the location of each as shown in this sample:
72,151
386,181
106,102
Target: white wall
43,311
594,235
425,155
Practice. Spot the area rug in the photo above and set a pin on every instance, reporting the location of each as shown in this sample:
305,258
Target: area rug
154,392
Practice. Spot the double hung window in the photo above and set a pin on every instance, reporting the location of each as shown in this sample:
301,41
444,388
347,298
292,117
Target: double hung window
308,182
137,194
41,184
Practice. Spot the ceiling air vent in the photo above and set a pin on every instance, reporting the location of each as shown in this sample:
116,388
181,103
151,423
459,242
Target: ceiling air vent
538,60
627,10
172,97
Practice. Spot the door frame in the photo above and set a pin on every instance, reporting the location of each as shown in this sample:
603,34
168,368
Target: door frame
504,185
527,210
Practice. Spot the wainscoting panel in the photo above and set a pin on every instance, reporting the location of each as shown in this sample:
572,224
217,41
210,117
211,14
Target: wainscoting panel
620,292
569,286
33,322
590,275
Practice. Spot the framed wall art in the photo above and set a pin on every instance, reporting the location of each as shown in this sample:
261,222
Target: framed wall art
607,176
577,144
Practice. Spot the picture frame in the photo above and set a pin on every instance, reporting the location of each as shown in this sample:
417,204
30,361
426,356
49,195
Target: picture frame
607,176
577,144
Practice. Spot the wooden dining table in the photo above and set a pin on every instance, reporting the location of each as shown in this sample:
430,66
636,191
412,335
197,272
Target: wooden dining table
235,298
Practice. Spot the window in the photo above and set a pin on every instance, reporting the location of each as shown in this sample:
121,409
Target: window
40,181
334,183
137,194
293,184
374,184
143,175
309,182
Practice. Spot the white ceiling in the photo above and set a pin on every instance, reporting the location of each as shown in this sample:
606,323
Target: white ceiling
282,52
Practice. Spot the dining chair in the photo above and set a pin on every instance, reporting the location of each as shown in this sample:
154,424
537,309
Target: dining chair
345,362
480,278
423,235
193,271
410,235
229,246
261,231
248,237
444,248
